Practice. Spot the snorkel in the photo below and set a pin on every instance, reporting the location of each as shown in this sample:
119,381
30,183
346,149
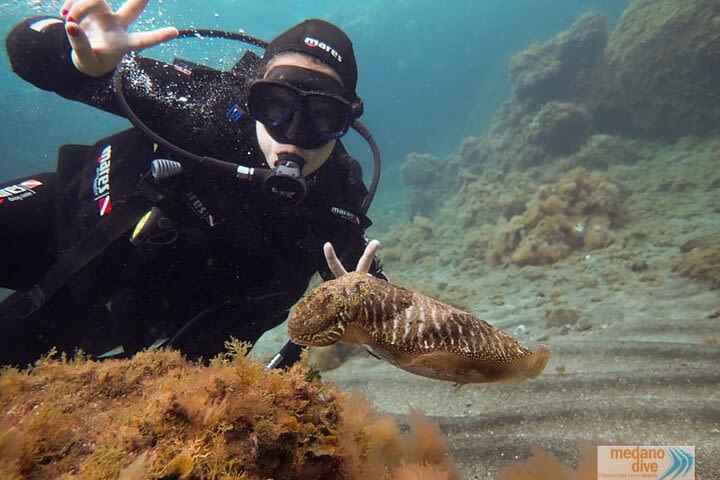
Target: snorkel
284,183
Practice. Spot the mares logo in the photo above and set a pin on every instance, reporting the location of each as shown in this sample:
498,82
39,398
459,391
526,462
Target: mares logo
345,215
101,182
315,43
19,191
200,210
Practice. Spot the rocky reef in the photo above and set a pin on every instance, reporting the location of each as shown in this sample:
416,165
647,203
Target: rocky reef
654,77
561,68
661,65
603,130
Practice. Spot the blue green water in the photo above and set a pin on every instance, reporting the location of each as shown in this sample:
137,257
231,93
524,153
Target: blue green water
431,73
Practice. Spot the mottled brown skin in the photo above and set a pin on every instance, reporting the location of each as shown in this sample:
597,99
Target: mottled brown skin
414,332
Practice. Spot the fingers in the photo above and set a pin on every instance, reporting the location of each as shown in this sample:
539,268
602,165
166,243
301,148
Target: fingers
66,7
130,11
365,261
82,8
78,40
332,260
142,40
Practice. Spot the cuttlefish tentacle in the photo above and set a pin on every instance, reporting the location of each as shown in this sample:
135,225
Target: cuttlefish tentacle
412,331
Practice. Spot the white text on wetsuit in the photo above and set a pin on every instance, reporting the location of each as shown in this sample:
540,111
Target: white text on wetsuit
101,184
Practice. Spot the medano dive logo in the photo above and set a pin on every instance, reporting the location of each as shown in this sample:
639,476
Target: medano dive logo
101,182
646,462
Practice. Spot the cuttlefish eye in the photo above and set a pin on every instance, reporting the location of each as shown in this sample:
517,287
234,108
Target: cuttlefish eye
353,292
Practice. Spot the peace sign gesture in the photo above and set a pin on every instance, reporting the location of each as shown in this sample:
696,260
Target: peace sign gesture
363,265
99,36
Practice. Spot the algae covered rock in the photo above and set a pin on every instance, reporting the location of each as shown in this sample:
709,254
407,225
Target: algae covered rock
701,259
159,416
601,151
663,62
579,212
560,127
553,69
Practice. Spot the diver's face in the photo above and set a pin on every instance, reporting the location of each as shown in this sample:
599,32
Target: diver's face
314,158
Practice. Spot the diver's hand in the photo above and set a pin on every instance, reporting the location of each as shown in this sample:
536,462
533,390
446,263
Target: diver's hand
363,265
99,36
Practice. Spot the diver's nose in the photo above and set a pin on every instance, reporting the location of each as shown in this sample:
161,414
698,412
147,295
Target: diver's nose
294,132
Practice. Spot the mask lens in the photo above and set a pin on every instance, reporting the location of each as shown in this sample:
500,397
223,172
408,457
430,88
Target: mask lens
329,115
308,119
271,103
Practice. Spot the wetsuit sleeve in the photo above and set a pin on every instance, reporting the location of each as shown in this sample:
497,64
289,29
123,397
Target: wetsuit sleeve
39,53
187,107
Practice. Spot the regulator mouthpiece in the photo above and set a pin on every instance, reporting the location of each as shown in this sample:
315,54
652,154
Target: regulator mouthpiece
286,185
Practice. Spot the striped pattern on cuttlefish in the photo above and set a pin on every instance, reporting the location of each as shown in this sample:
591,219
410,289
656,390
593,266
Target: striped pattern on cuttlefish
412,331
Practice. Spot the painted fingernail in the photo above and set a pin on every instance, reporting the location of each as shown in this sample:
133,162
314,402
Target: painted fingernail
71,19
64,12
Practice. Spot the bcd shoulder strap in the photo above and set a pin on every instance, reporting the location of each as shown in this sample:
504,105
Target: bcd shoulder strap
23,303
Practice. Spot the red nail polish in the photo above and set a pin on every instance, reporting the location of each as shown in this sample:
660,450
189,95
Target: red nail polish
64,12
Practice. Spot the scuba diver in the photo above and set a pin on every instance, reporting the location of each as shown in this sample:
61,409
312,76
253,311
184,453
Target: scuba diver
208,219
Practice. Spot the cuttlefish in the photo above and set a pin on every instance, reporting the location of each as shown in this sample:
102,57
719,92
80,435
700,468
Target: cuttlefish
409,330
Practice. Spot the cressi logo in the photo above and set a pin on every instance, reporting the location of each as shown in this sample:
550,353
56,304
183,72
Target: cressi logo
646,462
315,43
19,191
101,182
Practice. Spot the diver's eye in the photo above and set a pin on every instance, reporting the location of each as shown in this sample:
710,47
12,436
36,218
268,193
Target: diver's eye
353,292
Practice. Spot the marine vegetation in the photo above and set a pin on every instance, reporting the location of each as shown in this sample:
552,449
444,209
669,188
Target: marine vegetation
579,212
701,259
544,465
160,416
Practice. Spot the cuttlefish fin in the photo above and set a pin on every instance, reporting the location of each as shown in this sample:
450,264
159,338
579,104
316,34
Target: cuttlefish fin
530,366
462,369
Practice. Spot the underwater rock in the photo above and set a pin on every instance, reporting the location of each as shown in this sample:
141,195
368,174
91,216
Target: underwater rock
485,198
662,62
561,316
159,416
420,170
579,212
410,243
701,259
429,177
549,71
601,151
560,127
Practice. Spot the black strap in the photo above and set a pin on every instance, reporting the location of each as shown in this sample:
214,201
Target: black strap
23,303
286,357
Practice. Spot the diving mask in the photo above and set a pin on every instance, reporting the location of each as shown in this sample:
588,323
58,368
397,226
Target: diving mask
300,107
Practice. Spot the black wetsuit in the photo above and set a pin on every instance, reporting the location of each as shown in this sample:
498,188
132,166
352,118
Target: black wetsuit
231,259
